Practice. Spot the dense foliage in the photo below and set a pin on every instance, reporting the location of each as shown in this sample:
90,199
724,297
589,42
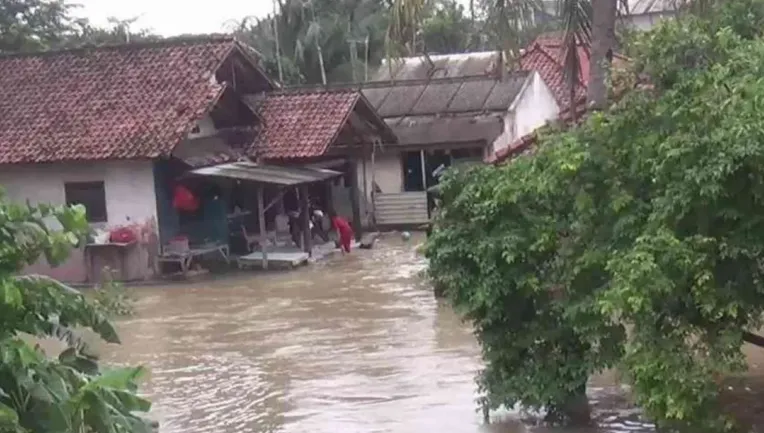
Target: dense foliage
69,393
351,36
632,241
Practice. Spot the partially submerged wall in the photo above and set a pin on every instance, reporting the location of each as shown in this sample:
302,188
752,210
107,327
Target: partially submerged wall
130,202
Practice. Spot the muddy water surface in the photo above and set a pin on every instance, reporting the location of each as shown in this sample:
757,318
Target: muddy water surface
356,344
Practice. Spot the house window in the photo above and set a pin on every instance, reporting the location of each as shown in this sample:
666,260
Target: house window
92,195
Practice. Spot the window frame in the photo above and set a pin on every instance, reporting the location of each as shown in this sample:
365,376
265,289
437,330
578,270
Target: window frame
75,192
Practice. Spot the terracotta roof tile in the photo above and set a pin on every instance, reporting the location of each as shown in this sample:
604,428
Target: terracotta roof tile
545,55
301,124
116,102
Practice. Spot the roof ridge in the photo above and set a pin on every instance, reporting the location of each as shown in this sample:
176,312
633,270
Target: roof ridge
163,42
438,56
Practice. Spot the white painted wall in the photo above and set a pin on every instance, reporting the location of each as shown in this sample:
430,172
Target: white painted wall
388,172
388,175
532,109
130,199
646,21
206,128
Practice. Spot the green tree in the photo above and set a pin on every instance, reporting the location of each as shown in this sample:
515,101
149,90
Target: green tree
509,23
344,40
34,25
119,31
449,30
39,25
632,241
319,38
69,393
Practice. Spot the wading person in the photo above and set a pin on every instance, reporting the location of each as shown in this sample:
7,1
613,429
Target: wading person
344,232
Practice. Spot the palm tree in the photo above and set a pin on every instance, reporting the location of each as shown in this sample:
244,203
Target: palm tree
319,41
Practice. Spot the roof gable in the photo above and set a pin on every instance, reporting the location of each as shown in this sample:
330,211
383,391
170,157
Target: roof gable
547,60
112,102
300,124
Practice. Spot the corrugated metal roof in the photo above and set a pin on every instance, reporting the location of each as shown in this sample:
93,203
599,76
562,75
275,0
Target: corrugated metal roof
444,96
636,7
271,174
639,7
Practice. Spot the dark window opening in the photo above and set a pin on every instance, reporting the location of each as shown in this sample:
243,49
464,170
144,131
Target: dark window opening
92,195
412,171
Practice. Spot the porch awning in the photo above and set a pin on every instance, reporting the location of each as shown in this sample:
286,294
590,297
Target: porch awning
271,174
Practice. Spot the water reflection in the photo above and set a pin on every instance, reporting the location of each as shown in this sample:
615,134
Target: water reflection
356,344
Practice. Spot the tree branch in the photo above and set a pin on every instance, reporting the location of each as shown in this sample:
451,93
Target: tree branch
756,340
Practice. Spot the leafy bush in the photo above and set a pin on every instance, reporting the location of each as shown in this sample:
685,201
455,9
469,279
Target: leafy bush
70,393
648,218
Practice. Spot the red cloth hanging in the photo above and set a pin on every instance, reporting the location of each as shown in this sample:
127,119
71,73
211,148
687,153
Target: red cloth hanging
184,199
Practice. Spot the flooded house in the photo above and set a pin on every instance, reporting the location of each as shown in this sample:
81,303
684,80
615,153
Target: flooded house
177,149
446,109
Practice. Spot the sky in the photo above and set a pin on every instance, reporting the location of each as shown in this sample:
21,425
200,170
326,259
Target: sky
172,17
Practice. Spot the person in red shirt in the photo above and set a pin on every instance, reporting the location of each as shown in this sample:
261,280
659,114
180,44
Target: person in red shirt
344,232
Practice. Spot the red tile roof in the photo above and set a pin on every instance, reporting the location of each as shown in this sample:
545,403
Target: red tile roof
116,102
303,123
545,55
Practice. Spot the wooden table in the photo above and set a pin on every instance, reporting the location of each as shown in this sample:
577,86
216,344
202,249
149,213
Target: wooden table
122,248
184,259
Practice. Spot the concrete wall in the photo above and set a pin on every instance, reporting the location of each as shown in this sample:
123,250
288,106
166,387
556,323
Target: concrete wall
533,108
388,172
646,21
130,201
206,128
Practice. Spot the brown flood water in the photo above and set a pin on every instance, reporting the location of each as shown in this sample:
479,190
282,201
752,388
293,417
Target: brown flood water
355,344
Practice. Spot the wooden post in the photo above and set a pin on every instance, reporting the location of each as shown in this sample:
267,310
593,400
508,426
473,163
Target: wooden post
373,197
261,224
354,199
307,236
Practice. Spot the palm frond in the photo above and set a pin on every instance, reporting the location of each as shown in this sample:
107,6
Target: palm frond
508,21
576,16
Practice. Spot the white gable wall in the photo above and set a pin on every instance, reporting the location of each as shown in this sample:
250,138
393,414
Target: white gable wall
532,109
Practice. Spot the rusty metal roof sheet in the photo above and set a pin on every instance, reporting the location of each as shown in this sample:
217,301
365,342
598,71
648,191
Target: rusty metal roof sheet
270,174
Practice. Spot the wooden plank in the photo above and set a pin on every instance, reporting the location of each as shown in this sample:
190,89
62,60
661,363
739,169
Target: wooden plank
402,208
355,200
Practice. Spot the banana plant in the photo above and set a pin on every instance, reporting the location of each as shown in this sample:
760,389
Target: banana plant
70,392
